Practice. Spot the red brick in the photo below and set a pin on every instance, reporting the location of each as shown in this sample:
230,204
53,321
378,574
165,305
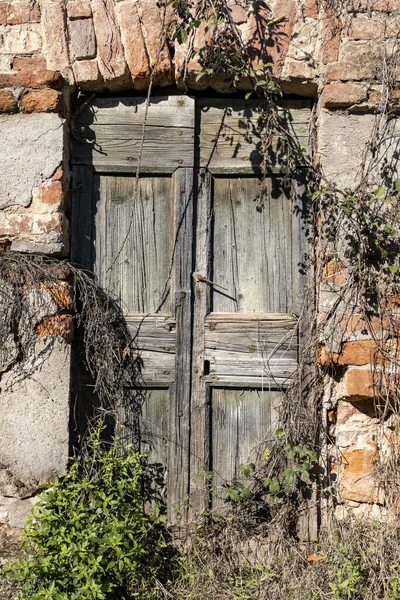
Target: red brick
42,101
357,476
358,71
32,79
343,94
357,354
62,325
79,9
62,294
8,102
52,192
16,13
29,63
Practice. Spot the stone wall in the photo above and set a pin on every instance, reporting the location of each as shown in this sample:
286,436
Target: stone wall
52,49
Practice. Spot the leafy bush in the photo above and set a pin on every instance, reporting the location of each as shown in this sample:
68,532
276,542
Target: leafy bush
90,537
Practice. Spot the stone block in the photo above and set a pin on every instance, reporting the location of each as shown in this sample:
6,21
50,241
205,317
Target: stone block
345,71
50,249
55,34
79,9
338,95
366,28
42,101
47,226
112,62
19,511
87,75
82,39
311,9
330,36
8,102
34,402
21,170
16,12
152,25
133,42
20,39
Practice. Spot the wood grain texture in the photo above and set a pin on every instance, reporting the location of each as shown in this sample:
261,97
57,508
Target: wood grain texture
154,336
200,401
231,142
111,134
252,246
261,353
138,274
243,421
179,450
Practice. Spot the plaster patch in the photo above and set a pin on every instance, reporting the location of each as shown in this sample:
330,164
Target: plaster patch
31,150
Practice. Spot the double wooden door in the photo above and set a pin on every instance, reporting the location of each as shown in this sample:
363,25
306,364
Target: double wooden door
205,257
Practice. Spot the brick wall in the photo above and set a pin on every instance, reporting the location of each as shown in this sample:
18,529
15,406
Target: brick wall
51,48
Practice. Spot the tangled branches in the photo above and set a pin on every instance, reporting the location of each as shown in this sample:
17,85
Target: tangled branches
39,295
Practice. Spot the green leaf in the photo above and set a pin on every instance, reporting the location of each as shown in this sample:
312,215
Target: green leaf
397,185
280,433
394,268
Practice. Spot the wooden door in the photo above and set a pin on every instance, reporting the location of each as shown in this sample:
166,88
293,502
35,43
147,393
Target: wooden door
250,244
205,262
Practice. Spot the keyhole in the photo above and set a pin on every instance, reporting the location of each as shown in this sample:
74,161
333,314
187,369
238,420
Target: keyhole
206,368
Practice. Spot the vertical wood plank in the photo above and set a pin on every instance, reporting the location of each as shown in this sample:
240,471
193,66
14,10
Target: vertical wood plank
133,233
242,423
251,246
82,217
200,426
179,463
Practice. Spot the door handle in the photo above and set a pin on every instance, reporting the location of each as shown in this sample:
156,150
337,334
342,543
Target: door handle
200,278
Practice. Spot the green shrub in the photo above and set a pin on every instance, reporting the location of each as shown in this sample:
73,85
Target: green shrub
90,537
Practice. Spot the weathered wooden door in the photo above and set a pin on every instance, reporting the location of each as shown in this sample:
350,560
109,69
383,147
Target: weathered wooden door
206,262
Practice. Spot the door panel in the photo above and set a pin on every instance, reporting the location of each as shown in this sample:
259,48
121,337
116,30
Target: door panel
242,423
133,244
252,246
206,263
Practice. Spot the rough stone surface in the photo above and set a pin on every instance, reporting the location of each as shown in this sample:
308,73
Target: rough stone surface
35,408
82,39
357,480
42,101
19,510
343,94
50,249
8,102
79,9
21,170
112,62
132,38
